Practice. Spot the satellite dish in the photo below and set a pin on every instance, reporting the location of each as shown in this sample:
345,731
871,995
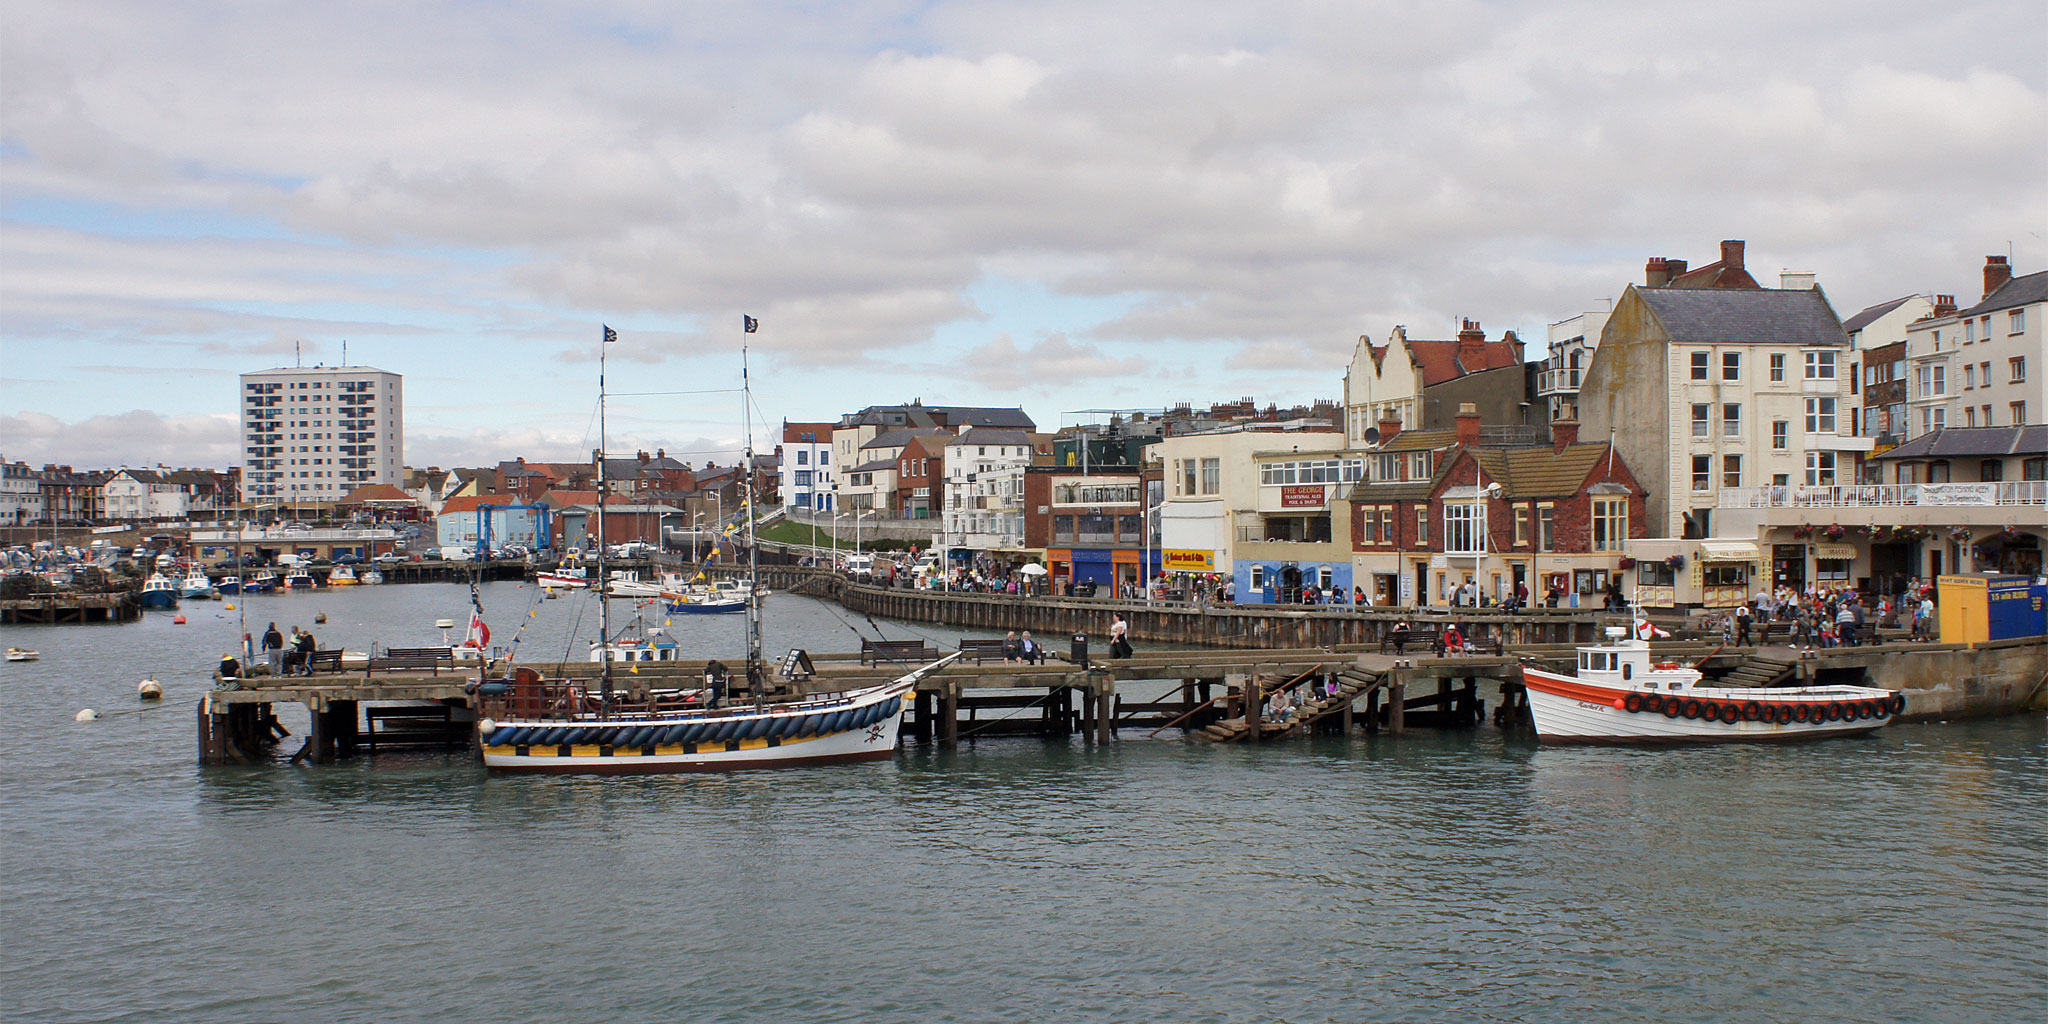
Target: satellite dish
1372,435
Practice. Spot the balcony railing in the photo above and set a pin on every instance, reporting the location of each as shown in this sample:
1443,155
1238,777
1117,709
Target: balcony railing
1551,382
1981,495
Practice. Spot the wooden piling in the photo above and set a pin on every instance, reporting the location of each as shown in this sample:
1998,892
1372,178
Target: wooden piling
1397,699
1105,716
951,713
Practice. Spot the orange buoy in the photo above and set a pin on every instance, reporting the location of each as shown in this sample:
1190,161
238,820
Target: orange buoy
178,619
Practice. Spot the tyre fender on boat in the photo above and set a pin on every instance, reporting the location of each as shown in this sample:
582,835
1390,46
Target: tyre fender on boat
1835,711
1694,707
1673,707
1731,713
1782,714
1753,711
1898,703
1632,703
1802,712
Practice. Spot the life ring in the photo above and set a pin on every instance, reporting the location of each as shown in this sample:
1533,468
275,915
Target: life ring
1694,707
1632,702
1731,713
1753,712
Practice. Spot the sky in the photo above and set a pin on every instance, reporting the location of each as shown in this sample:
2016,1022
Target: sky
1055,205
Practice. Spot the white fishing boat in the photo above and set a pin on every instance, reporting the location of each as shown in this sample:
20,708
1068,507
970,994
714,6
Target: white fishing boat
21,654
627,583
342,576
741,589
371,578
228,585
299,579
263,582
197,587
564,578
1619,695
585,726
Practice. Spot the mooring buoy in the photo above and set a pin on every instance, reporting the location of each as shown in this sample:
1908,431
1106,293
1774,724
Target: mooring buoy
149,689
85,715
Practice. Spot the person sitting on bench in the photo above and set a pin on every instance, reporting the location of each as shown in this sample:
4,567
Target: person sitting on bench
1028,650
1013,651
1454,641
1400,636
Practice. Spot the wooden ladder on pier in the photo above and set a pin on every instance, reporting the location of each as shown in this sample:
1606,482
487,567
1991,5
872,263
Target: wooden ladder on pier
1352,682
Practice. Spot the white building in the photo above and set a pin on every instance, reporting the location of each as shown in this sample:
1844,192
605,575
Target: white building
984,490
1213,488
806,471
21,494
317,433
1570,351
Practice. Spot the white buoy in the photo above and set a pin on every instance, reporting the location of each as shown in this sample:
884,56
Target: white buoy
486,726
444,623
86,715
149,689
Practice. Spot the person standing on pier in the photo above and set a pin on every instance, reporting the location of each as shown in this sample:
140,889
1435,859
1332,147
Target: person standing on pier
273,649
1119,637
303,646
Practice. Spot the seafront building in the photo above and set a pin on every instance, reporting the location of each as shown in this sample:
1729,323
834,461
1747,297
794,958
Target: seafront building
313,434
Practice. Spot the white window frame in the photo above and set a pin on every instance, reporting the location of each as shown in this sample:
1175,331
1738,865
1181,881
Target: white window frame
1465,527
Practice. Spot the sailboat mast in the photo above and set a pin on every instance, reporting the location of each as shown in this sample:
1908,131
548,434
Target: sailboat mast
756,670
604,621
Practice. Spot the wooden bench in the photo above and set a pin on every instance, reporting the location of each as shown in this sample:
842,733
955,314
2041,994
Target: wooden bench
1428,637
396,658
894,651
329,660
983,650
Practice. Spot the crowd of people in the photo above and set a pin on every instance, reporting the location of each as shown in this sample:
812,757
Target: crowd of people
1827,617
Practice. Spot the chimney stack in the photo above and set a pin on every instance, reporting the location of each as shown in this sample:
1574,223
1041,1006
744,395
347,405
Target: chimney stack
1390,425
1472,346
1656,272
1468,424
1944,305
1563,432
1996,273
1731,254
1796,280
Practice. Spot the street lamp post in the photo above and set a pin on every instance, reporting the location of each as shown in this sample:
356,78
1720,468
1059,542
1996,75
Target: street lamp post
864,513
835,540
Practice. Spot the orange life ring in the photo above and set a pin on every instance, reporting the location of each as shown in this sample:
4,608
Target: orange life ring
1665,666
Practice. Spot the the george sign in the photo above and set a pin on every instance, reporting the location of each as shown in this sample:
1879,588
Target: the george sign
1188,561
1300,496
1838,552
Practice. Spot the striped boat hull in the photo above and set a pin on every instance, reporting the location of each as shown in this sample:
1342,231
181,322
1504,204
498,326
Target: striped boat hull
1566,709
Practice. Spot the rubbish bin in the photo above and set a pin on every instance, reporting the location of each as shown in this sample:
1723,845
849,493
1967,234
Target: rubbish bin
1078,653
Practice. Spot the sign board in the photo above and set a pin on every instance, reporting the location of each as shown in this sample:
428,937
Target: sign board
1959,494
1302,496
1439,562
1407,589
1840,552
1188,561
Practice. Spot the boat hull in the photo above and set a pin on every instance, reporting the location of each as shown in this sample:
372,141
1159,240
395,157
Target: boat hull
877,718
159,599
1567,710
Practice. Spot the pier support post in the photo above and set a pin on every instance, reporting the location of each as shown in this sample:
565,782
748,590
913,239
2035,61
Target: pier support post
921,716
951,710
320,734
1397,706
213,739
1344,716
1087,718
1254,706
1105,712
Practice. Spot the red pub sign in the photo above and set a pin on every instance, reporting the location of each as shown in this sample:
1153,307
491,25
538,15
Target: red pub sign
1298,496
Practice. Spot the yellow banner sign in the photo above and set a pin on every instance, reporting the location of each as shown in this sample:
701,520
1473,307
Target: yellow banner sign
1188,561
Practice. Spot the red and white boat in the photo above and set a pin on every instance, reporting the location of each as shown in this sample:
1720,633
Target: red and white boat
1619,695
564,578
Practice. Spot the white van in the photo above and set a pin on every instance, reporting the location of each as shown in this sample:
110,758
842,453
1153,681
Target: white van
860,566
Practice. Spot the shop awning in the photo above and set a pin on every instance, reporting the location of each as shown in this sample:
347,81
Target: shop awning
1729,551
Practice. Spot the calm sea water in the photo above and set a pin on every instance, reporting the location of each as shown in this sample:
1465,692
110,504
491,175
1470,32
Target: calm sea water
1460,876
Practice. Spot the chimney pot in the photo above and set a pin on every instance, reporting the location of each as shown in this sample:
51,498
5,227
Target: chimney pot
1731,253
1656,272
1944,305
1996,273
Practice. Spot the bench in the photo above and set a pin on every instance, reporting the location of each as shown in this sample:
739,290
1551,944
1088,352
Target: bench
433,658
983,650
1430,638
894,651
329,660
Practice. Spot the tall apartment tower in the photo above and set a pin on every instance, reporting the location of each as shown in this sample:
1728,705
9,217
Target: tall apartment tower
316,433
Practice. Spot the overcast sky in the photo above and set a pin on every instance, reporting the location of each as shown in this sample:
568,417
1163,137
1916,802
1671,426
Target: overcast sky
1055,205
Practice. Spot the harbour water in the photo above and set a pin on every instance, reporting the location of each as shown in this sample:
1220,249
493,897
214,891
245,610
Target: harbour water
1457,876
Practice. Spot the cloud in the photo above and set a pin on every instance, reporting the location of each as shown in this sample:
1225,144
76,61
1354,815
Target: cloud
137,438
1054,364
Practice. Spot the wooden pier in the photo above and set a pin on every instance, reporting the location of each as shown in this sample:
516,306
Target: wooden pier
70,608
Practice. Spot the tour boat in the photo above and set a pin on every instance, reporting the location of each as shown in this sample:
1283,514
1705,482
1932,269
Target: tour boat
342,576
197,587
160,591
263,582
228,585
1618,695
299,579
21,654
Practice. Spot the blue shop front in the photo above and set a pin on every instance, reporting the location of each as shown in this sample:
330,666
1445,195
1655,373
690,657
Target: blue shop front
1274,581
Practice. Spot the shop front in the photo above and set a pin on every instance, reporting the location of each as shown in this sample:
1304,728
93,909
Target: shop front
1276,581
1725,573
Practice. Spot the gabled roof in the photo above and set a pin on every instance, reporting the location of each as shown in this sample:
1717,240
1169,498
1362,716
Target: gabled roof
1714,316
901,436
374,492
992,435
1980,442
1871,315
1440,361
2020,291
1540,471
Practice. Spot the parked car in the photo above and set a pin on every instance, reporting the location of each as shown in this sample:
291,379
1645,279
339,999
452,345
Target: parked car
388,558
348,558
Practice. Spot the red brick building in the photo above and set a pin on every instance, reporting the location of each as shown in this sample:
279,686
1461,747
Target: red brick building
921,476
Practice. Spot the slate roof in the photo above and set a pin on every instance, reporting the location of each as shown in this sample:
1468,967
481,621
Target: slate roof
2020,291
1981,442
1419,441
992,435
1798,316
901,436
872,466
374,492
1870,316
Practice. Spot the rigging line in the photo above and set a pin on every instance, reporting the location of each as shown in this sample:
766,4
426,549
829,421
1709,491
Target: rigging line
656,394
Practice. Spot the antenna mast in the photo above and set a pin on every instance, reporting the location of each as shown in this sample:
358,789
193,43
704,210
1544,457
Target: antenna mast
756,671
604,607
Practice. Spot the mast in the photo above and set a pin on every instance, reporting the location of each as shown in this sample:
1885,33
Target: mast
604,621
756,671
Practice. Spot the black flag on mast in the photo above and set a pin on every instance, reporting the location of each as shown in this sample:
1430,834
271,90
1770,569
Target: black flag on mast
609,334
751,324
